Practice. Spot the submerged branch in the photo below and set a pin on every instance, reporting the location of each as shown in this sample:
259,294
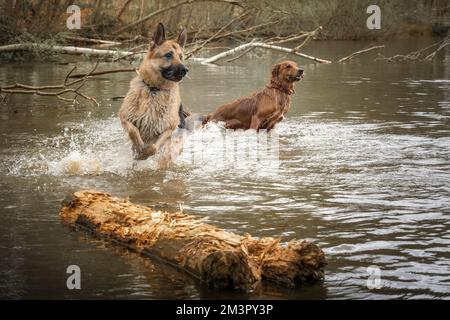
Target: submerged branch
433,54
421,54
61,89
359,52
99,73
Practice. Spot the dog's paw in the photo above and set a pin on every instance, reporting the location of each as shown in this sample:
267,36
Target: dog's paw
144,153
150,150
139,156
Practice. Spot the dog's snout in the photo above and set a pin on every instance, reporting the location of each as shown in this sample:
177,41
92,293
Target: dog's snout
300,72
183,70
175,72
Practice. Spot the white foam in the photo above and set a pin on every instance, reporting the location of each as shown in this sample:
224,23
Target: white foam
98,147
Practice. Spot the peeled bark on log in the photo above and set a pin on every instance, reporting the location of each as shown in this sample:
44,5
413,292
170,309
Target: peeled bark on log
219,258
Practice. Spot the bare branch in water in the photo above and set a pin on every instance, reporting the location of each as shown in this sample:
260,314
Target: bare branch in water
99,73
358,53
242,54
261,45
58,91
419,54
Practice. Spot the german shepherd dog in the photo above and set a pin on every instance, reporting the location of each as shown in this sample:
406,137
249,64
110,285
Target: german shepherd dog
152,109
263,109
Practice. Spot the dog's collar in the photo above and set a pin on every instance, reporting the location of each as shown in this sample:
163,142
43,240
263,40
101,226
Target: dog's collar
278,87
153,90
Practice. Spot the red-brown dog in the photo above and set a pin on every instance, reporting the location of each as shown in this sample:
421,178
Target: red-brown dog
264,109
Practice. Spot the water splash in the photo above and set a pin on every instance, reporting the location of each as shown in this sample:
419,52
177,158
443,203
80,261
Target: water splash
98,147
88,149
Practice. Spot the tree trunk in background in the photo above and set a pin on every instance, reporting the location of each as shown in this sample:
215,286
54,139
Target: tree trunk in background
98,5
37,8
8,7
141,14
123,8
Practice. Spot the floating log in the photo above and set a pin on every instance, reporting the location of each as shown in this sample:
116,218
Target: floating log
218,258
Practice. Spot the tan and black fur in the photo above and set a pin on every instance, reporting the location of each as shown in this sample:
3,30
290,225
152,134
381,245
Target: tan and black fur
152,108
263,109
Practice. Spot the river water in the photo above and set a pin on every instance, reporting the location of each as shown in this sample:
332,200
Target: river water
361,166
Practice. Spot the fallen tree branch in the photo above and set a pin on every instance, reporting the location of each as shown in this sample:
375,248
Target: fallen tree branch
92,41
129,56
216,257
433,54
176,5
351,56
99,73
135,53
61,49
63,88
261,45
417,55
241,55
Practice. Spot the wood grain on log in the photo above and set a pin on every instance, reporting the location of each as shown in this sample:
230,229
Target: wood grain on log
218,258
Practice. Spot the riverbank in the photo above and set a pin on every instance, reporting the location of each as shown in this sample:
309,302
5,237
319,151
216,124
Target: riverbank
210,23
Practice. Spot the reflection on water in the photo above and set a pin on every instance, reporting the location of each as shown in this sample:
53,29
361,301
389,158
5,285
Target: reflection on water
361,165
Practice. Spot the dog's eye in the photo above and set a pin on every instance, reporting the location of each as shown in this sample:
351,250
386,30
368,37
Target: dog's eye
168,55
288,66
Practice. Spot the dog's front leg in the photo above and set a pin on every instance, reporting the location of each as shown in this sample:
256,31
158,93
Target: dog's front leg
256,122
135,136
151,149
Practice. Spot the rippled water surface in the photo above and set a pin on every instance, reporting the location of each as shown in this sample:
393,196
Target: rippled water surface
362,167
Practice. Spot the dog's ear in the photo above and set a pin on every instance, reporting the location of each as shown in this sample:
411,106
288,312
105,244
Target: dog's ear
159,36
182,38
276,71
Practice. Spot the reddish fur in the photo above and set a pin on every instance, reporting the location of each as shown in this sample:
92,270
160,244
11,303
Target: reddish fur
263,109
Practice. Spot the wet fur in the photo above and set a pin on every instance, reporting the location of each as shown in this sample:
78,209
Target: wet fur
263,109
151,117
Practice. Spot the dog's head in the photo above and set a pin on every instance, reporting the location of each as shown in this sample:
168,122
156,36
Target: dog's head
286,73
164,60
